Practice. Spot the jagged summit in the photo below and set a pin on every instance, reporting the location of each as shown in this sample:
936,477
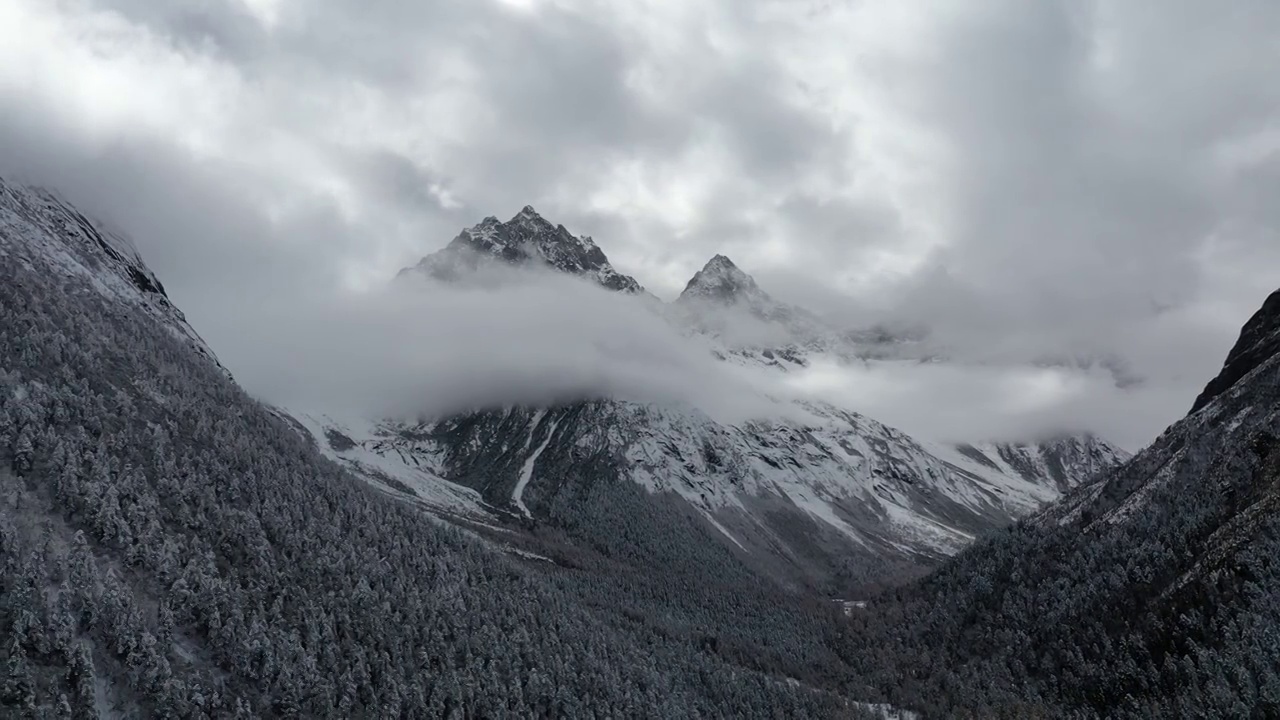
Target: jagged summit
719,261
722,284
526,239
723,281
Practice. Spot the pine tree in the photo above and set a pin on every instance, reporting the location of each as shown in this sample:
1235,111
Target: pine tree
24,450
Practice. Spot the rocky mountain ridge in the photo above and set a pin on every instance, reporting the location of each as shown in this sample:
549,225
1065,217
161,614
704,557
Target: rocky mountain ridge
527,239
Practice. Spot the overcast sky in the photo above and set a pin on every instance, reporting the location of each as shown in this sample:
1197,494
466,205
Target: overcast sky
1033,178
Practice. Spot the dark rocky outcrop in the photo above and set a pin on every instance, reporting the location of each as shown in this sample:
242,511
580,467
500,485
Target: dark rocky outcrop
1259,341
527,239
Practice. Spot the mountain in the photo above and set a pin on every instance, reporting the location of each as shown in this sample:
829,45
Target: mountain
829,500
723,302
1150,591
723,284
170,547
525,240
813,495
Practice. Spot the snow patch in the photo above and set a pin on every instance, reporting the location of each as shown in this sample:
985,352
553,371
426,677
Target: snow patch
526,472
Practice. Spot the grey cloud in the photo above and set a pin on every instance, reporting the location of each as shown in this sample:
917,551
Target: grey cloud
960,402
845,226
224,28
1060,178
200,226
403,182
416,349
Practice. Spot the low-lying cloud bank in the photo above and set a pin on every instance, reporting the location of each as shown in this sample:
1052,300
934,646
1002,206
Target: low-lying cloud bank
969,402
416,348
428,348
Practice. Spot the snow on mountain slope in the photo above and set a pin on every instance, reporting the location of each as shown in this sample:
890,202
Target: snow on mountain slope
799,493
37,224
371,451
1059,463
725,303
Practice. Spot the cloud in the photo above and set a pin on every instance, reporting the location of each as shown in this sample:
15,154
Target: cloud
1029,180
510,338
972,402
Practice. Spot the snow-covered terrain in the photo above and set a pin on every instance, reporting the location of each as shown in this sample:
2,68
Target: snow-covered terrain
772,487
173,547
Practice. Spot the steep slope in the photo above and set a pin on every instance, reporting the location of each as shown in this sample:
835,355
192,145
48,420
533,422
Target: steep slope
525,240
1150,592
1061,463
44,228
1259,342
171,548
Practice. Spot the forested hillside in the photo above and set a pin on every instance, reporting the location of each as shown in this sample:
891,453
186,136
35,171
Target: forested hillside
172,548
1152,592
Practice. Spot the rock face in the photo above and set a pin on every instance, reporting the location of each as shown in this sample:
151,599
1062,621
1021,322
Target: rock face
525,240
1259,341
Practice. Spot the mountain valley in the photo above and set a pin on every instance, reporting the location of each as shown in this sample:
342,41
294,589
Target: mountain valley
175,547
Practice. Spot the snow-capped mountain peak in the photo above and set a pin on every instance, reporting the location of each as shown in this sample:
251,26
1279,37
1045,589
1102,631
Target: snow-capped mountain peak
720,296
530,217
527,239
722,281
